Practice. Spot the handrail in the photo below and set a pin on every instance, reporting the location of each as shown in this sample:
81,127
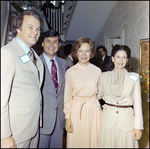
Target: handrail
58,18
68,17
54,17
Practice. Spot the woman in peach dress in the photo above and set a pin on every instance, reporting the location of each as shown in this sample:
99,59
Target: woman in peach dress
81,107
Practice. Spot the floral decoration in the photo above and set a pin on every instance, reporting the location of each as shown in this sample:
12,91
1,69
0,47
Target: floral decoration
144,78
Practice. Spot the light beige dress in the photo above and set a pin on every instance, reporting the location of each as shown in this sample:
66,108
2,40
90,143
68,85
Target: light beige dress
117,124
82,106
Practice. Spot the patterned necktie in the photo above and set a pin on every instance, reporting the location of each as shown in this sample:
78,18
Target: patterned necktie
32,57
101,60
54,74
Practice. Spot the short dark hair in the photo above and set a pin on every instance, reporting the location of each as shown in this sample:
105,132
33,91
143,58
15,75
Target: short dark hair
79,42
117,48
51,33
103,47
19,20
67,49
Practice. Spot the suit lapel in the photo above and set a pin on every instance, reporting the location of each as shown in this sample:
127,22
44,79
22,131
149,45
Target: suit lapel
60,71
104,60
29,64
47,71
39,67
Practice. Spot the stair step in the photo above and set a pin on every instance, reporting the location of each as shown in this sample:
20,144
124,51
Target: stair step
66,22
70,7
68,15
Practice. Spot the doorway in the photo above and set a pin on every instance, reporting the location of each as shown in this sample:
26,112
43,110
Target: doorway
113,38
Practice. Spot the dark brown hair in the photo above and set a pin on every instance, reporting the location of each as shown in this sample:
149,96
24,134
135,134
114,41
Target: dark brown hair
51,33
101,47
19,20
117,48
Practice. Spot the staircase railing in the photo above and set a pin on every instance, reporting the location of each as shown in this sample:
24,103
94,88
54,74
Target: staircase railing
54,17
68,11
58,18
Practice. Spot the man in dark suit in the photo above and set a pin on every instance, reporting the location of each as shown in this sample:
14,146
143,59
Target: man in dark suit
51,133
103,60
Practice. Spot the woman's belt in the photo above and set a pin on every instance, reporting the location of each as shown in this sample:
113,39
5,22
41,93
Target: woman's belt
119,106
84,100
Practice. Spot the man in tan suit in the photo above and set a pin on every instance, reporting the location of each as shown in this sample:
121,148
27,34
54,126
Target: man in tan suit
21,79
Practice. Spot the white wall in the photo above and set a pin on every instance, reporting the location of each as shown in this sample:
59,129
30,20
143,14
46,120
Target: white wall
133,17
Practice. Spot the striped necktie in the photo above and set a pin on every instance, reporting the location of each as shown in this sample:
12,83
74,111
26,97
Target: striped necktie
32,56
54,74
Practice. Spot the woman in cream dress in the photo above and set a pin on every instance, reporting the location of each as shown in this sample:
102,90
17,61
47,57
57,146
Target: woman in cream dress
121,120
81,107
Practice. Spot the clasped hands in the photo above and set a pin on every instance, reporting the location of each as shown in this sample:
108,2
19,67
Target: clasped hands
69,126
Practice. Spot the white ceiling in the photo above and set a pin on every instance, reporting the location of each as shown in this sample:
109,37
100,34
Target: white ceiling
88,19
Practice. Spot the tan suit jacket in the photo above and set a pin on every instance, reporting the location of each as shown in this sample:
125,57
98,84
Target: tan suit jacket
20,93
126,118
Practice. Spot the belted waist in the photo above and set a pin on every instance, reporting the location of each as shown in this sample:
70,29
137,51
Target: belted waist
119,106
92,99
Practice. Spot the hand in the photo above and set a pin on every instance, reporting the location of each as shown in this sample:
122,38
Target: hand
137,133
8,143
69,126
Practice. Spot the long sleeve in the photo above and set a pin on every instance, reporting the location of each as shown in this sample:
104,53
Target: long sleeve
100,88
67,95
7,75
138,106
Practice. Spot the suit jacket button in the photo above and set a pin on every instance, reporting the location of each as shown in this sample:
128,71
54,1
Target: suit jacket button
117,112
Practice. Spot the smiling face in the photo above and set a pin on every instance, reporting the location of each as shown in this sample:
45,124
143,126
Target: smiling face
84,54
51,46
30,30
120,60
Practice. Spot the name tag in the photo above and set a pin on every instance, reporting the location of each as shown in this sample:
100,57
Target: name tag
133,77
25,58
